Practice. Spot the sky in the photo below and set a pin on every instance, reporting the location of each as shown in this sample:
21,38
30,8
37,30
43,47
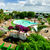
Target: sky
17,4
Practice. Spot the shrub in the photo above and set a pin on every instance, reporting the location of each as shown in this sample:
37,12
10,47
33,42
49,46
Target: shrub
40,27
7,17
10,27
48,19
35,42
26,29
21,28
30,28
1,33
42,23
1,18
39,19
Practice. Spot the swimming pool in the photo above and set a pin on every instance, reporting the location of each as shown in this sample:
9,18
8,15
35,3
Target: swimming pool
23,23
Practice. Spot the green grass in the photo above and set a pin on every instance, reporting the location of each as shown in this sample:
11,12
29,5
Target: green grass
13,23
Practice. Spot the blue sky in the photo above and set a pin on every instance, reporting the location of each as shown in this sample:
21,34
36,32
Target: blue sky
12,1
6,1
17,4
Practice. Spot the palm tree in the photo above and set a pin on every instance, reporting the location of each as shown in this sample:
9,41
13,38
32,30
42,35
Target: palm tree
1,11
1,18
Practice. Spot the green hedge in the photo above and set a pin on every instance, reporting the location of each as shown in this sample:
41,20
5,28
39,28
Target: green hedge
35,42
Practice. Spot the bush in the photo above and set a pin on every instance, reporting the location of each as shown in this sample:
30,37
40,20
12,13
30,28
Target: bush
39,19
10,27
21,28
40,27
42,23
7,17
35,42
1,18
29,27
48,19
1,33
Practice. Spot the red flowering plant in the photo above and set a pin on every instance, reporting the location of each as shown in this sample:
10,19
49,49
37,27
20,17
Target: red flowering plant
10,27
21,28
26,29
17,27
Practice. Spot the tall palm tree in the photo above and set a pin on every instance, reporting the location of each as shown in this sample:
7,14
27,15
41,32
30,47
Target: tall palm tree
1,18
1,11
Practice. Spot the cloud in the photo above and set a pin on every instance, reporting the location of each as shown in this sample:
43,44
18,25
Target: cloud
20,5
14,6
2,5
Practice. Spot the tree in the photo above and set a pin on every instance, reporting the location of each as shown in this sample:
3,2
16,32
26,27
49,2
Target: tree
16,14
7,17
31,14
1,33
23,14
1,17
26,13
1,11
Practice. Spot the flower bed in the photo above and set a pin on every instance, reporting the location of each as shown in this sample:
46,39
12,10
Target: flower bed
19,27
10,27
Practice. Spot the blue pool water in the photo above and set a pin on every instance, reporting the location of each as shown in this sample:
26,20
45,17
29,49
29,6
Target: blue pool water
23,22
